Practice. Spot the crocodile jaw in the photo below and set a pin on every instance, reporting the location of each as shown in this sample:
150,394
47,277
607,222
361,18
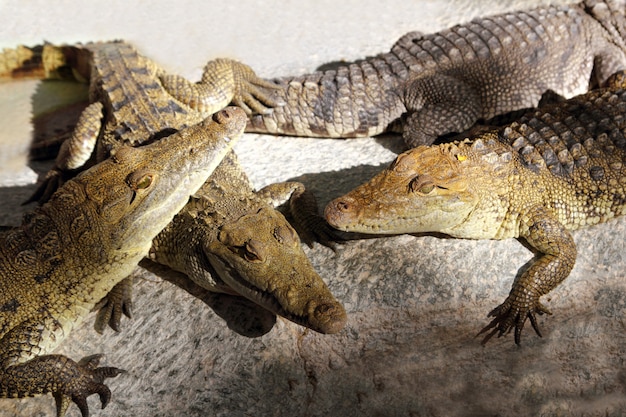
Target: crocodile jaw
270,268
424,190
145,187
324,315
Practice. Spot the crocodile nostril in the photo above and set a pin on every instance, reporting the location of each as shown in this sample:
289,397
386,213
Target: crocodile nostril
222,116
339,211
330,318
343,206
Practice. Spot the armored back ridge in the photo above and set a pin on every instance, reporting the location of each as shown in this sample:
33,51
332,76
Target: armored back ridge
556,169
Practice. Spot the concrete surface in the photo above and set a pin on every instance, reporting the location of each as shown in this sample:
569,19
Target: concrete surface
415,304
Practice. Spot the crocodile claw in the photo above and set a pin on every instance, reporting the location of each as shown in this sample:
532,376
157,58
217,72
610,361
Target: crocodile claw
89,380
508,316
117,302
53,180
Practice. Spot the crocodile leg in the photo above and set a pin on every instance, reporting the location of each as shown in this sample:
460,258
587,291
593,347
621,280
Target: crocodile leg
25,374
224,81
74,153
118,302
558,253
437,105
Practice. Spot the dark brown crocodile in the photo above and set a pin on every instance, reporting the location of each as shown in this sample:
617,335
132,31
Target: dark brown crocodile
556,169
432,85
139,101
70,252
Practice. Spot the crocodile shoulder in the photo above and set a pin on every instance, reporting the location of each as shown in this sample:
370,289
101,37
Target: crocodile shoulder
556,169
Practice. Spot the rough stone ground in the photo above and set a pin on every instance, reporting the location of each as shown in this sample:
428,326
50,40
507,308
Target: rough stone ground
415,303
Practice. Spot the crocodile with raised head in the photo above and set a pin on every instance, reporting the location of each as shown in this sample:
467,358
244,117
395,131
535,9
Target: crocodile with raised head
556,169
432,85
92,233
236,242
139,102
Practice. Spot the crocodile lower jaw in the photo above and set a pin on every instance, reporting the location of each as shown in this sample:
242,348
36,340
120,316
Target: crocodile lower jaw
265,299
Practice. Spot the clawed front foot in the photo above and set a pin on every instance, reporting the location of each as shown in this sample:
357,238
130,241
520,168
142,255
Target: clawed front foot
254,94
81,380
117,302
53,181
224,82
513,314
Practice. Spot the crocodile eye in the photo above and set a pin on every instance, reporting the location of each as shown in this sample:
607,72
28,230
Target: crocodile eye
250,256
426,189
252,251
421,185
140,180
285,235
144,182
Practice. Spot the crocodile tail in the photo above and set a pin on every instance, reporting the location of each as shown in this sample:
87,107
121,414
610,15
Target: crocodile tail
40,62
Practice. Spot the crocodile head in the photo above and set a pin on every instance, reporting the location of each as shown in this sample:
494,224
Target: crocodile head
259,256
425,189
131,196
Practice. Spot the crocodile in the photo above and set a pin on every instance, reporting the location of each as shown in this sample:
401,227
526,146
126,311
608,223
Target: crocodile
139,97
133,100
70,252
432,85
236,242
558,168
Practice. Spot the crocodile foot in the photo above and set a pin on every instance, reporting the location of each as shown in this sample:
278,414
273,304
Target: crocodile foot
513,314
252,93
86,379
51,182
117,302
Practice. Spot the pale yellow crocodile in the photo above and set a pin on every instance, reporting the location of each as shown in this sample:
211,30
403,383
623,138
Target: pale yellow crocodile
556,169
70,252
133,101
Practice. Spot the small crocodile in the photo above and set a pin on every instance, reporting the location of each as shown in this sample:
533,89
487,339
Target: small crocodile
236,242
432,85
140,101
133,100
92,233
556,169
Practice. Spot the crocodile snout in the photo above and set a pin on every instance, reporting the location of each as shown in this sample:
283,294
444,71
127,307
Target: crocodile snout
341,212
329,318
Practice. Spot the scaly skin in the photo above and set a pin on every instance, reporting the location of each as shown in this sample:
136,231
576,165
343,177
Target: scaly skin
133,100
236,242
431,85
70,252
140,101
556,169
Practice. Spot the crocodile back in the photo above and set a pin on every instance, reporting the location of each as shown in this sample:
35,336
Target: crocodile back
579,147
137,107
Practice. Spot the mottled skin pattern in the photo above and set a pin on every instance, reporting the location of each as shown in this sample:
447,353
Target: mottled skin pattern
92,233
133,100
236,242
556,169
139,102
431,85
